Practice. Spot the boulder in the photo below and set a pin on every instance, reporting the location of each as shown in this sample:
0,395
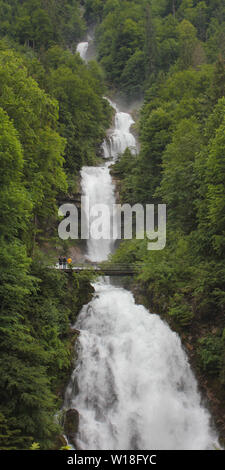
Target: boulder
71,424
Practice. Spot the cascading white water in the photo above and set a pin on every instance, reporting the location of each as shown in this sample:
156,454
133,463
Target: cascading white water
120,138
96,184
136,389
132,385
82,49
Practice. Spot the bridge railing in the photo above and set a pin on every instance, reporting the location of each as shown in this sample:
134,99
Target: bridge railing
100,267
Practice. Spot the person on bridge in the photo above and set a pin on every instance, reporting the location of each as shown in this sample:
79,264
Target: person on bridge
64,263
69,261
60,262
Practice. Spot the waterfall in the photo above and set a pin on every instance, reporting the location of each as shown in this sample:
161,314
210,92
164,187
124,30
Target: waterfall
135,386
132,385
120,137
82,49
96,184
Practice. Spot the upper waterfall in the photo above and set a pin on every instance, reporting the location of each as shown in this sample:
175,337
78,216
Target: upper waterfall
119,137
97,184
82,49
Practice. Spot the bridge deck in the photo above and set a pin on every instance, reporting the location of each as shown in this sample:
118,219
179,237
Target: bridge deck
102,270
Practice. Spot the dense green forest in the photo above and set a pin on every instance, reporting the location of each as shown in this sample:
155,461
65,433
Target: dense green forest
53,119
141,40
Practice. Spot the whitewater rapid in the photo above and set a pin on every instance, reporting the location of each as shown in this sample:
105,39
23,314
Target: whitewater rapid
132,385
135,386
120,137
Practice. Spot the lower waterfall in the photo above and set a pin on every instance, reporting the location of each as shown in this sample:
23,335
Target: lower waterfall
133,386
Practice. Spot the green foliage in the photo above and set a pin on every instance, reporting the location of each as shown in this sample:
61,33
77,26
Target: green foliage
94,10
41,23
121,38
187,36
134,73
52,121
180,312
83,113
10,436
210,351
215,177
24,392
37,306
137,40
35,446
178,185
14,199
34,115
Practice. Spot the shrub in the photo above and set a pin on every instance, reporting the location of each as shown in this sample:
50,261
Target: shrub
210,353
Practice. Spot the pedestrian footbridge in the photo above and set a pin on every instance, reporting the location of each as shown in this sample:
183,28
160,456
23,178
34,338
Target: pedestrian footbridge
101,268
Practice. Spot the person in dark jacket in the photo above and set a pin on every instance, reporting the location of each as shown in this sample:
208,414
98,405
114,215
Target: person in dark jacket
64,263
60,262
